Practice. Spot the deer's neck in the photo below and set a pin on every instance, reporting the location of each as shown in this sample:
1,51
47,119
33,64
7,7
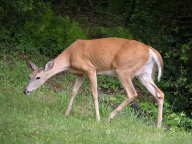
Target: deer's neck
61,63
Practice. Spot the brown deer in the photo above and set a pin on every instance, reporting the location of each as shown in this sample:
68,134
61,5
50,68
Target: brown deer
120,57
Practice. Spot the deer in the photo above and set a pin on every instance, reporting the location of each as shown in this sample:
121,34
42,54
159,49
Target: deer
119,57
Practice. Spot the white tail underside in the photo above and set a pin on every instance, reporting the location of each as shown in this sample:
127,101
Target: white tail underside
148,67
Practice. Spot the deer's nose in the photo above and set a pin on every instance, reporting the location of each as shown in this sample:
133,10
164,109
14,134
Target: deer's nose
26,91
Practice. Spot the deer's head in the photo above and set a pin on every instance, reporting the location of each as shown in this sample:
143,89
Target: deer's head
38,76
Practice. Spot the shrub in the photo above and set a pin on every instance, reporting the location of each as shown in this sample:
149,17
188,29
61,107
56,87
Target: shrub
171,119
50,34
121,32
36,28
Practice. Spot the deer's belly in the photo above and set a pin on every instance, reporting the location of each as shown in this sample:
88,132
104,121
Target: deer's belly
107,72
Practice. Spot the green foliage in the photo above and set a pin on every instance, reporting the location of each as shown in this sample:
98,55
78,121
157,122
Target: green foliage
37,28
171,119
50,34
177,80
112,32
108,83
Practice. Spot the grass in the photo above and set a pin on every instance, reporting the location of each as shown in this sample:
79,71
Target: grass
39,118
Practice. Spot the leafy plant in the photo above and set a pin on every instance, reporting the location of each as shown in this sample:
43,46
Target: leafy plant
171,119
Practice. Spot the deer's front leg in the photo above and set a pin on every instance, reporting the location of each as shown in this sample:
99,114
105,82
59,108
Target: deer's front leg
77,85
93,82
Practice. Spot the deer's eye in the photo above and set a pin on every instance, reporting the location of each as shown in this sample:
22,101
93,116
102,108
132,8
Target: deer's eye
37,78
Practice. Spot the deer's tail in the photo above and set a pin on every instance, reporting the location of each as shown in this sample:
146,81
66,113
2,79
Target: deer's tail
158,60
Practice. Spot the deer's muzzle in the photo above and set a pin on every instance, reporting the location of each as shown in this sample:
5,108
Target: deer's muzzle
26,92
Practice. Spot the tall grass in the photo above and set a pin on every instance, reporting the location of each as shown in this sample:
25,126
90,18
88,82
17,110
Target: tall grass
39,118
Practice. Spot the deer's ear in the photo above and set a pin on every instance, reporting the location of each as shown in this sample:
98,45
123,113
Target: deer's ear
32,65
49,65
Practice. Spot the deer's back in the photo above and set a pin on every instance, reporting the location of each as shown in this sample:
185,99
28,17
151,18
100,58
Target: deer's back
108,53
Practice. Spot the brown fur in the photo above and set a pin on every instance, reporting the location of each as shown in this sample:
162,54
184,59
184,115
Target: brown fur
106,54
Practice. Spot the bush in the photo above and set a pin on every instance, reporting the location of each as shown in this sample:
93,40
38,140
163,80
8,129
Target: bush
50,34
38,29
171,119
120,32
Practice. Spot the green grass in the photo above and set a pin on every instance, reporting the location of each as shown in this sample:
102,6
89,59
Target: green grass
39,118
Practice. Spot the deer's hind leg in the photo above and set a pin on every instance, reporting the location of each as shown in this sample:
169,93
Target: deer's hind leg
125,79
147,81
